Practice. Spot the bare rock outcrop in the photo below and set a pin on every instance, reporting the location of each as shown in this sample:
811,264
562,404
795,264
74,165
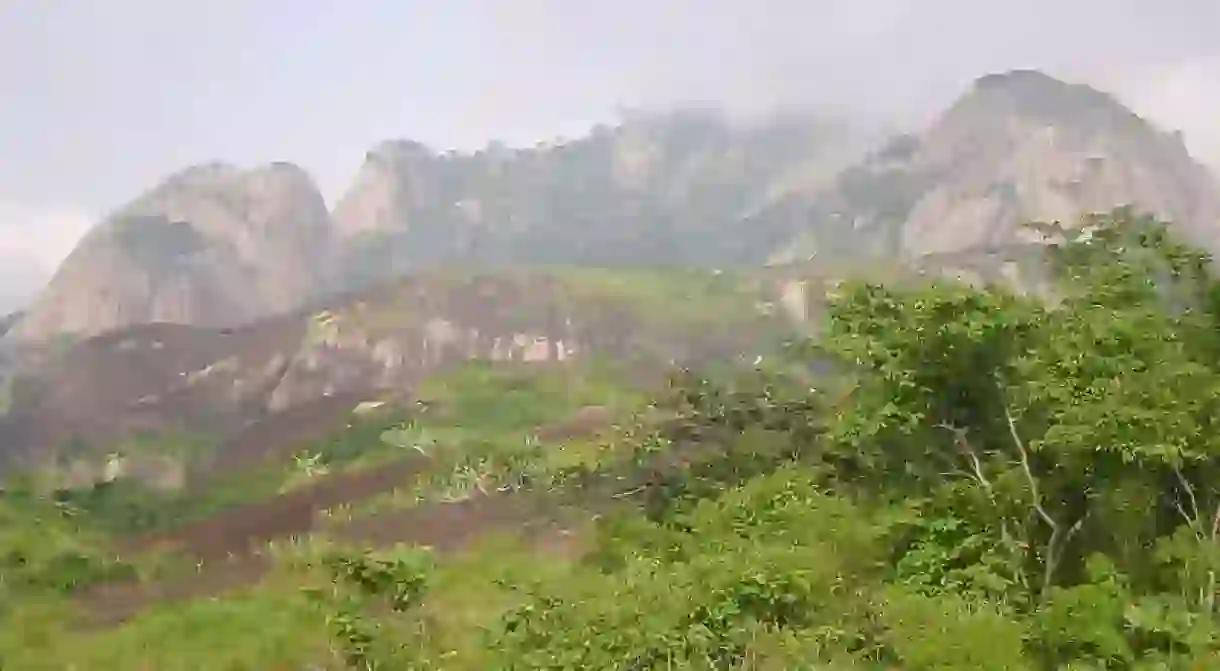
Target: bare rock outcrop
1017,147
1023,146
213,245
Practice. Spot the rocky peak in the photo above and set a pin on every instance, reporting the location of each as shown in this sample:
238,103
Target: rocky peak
212,244
1022,146
1034,94
1016,147
396,177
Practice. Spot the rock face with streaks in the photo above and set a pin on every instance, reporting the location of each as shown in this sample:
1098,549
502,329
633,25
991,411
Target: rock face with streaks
681,187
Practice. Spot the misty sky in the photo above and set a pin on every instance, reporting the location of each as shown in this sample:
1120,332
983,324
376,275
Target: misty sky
99,100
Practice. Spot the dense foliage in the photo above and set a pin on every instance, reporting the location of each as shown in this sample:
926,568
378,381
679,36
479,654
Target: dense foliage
1000,482
989,481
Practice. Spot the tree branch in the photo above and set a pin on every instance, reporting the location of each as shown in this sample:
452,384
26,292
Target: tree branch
1059,538
1209,601
623,495
1207,593
1029,474
1193,518
976,466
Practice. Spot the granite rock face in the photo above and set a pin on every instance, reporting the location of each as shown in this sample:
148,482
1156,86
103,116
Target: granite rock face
673,188
1017,147
212,245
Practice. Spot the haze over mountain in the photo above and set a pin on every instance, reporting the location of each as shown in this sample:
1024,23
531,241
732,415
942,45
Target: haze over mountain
730,303
21,279
214,245
671,188
235,92
1017,147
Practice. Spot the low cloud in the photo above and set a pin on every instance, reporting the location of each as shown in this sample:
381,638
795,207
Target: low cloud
33,242
43,235
1181,96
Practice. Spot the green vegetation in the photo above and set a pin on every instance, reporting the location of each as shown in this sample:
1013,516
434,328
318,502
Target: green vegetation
681,297
988,481
484,426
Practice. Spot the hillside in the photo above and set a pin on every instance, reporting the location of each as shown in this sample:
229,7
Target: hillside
180,282
171,379
979,480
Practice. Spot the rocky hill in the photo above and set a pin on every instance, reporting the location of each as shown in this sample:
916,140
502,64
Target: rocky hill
1017,147
212,245
215,245
299,369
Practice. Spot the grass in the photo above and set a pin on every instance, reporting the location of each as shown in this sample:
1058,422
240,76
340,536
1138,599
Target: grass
666,296
269,628
478,414
481,423
661,302
480,420
275,625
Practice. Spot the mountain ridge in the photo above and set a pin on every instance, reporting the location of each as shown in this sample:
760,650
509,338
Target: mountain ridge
216,245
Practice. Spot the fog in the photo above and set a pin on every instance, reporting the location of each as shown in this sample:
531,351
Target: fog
103,99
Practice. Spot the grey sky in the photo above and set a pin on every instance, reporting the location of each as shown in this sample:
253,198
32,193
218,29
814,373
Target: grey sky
102,99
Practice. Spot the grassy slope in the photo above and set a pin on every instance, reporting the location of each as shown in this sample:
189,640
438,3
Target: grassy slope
479,415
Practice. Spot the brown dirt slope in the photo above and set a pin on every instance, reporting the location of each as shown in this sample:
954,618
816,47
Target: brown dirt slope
446,528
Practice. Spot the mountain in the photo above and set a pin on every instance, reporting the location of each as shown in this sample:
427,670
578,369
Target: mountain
215,245
212,245
669,188
1017,147
290,385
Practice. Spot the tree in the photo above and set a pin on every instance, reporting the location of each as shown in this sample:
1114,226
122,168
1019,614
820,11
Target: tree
1051,430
